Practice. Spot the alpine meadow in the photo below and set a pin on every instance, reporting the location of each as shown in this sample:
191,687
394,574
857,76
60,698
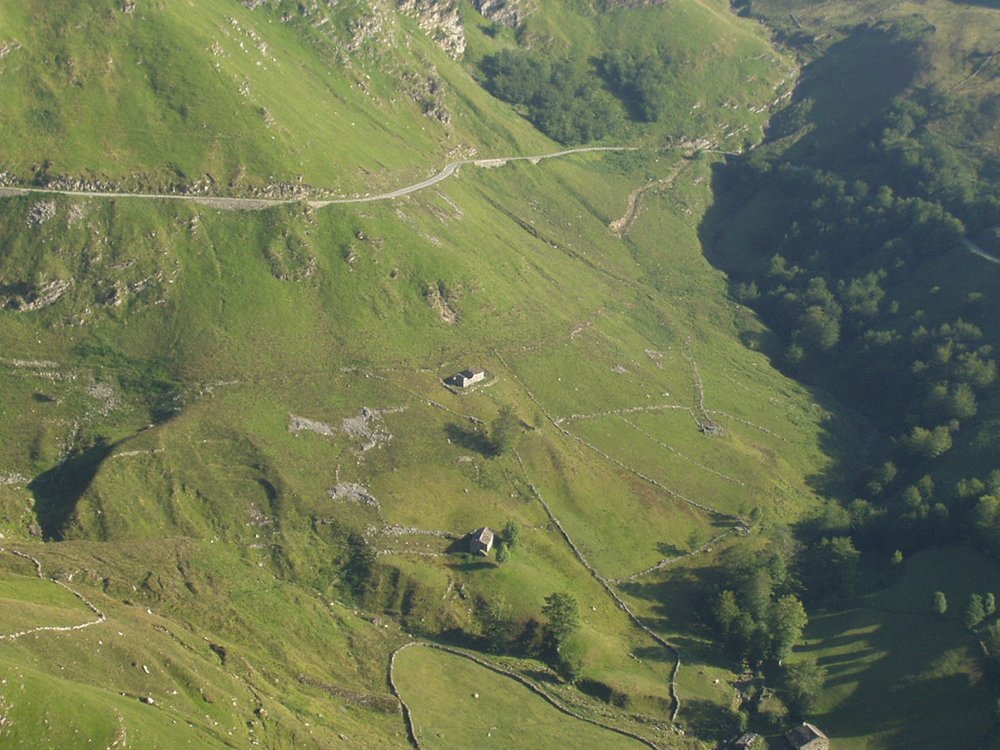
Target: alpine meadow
518,373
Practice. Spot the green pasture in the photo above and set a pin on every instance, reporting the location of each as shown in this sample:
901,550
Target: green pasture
455,702
898,676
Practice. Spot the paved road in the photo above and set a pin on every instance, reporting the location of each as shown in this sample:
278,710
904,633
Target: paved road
256,204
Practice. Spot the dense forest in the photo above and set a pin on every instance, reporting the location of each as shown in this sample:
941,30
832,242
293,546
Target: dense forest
867,253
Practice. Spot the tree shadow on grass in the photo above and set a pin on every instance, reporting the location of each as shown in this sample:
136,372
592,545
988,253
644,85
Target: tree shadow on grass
471,566
470,438
669,550
58,490
708,721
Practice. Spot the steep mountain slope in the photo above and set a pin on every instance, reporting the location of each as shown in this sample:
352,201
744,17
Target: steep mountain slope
230,429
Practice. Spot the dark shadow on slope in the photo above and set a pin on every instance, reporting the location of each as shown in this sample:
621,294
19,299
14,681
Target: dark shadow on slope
853,84
840,99
58,490
708,721
897,667
470,438
670,550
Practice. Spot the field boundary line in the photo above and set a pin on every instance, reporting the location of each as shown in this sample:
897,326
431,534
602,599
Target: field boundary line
534,688
101,617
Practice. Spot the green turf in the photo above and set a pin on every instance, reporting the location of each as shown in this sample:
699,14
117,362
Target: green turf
455,702
146,413
897,676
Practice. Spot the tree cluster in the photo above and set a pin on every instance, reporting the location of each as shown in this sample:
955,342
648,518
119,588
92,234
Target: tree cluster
757,616
835,278
576,103
509,540
564,100
547,639
640,81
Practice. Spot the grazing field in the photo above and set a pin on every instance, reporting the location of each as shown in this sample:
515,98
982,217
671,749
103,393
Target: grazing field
456,703
897,675
225,437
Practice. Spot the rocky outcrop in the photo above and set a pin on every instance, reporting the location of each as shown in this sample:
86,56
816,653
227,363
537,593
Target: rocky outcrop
27,297
429,92
510,13
440,20
40,213
7,47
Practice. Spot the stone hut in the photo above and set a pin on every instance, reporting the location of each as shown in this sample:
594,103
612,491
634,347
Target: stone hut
481,541
807,737
465,378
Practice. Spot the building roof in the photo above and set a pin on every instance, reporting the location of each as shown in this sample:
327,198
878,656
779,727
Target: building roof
802,735
484,535
747,740
462,378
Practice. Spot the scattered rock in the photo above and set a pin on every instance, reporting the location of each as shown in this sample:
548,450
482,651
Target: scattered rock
7,47
429,92
368,427
302,424
77,212
510,13
440,20
441,304
40,212
353,493
711,428
25,297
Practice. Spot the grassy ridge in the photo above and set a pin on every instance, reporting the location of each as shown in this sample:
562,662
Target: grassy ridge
177,95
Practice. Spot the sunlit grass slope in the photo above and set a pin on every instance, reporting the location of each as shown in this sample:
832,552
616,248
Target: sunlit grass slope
183,387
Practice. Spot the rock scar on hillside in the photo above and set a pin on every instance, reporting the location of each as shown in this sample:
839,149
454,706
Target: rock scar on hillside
353,493
304,424
369,427
620,227
7,47
25,297
441,304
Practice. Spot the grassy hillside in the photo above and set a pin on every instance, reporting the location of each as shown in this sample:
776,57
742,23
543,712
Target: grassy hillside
228,430
458,701
891,662
235,99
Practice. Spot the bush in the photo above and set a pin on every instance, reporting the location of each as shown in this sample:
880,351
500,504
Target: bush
503,431
939,603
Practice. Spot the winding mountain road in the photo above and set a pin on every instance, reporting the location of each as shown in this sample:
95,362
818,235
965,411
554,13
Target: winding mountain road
256,204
